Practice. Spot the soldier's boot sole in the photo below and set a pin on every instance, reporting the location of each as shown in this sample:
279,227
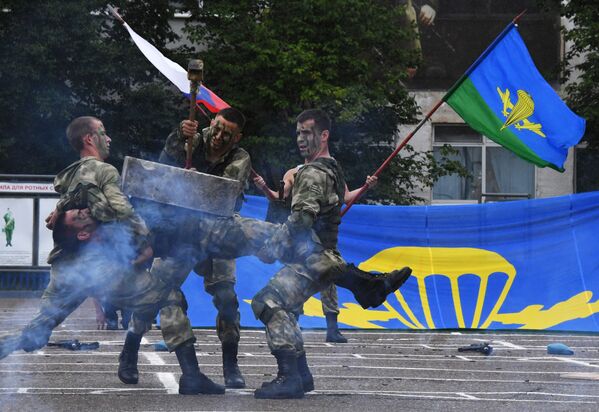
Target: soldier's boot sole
282,388
195,385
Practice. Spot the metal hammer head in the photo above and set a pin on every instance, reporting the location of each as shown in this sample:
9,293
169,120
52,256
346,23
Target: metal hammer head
195,70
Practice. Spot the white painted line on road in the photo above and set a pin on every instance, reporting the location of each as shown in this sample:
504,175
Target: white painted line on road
402,394
166,378
508,345
249,355
355,355
169,382
592,376
576,362
22,390
457,396
154,358
465,395
426,346
464,358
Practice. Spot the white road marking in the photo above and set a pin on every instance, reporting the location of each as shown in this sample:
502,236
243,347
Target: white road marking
469,396
166,378
592,376
169,382
576,362
154,358
355,355
508,345
464,358
426,346
465,395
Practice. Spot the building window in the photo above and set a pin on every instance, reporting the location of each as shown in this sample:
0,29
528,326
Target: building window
493,169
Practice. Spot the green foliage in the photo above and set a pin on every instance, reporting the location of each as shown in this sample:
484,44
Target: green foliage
583,57
272,59
65,59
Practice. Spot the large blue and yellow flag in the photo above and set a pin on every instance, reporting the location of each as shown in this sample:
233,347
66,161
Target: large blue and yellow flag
530,264
504,97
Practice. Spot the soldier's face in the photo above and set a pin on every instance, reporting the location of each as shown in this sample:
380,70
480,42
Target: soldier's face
223,135
309,139
79,220
102,140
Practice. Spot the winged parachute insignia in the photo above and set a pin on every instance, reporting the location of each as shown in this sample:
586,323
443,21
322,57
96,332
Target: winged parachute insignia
518,114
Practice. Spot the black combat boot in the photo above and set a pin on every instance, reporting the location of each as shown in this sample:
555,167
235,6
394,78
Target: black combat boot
304,373
333,334
192,381
371,289
231,372
128,372
287,384
392,282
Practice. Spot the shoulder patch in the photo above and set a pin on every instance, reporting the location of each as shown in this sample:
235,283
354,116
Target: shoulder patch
316,189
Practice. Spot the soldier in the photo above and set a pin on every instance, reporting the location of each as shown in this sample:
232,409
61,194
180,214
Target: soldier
279,208
215,152
94,183
318,193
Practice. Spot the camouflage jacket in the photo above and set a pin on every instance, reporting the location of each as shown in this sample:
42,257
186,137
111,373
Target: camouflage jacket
317,197
91,183
235,164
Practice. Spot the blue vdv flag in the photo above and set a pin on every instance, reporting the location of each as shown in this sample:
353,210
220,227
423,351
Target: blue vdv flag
504,97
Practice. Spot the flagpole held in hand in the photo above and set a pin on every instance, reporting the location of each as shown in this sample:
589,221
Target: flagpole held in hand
433,110
392,155
195,75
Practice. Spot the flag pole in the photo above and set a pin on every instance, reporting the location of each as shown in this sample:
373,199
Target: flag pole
115,14
392,155
434,109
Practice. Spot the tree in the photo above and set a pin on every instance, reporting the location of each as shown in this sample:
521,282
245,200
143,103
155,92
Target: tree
274,58
583,91
65,59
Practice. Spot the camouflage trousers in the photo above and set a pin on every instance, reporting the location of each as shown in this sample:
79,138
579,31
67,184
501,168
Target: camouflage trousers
330,302
92,273
328,299
215,242
286,293
219,282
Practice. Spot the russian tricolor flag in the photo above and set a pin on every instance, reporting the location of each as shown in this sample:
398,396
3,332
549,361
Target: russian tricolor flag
176,74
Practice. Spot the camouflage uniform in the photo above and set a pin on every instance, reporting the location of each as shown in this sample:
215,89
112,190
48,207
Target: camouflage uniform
219,275
95,184
200,237
278,212
104,271
317,197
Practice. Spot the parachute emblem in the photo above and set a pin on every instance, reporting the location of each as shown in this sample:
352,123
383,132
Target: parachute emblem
518,114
